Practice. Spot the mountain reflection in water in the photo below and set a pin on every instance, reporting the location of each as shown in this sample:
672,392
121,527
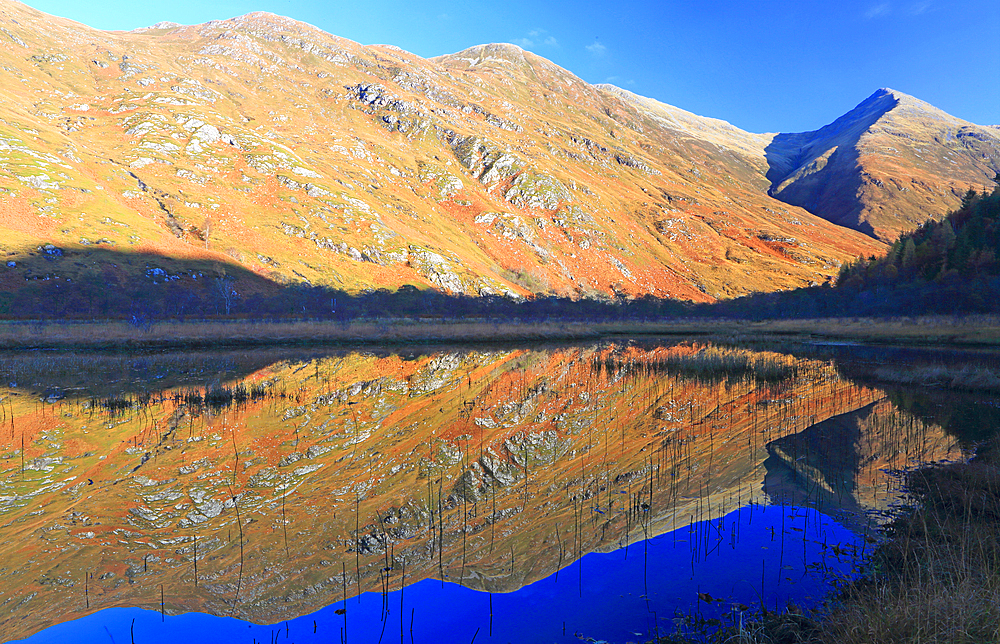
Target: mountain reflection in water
263,488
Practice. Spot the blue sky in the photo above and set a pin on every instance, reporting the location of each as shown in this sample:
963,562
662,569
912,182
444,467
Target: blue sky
772,65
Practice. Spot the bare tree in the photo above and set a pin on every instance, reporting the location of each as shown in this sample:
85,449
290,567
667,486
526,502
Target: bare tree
227,292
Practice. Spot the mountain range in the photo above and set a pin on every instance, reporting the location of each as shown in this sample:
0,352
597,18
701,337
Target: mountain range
264,147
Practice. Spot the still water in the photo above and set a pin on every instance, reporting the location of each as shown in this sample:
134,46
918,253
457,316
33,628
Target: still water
539,494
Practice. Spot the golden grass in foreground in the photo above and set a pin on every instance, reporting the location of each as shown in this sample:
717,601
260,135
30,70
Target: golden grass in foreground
968,330
938,578
234,333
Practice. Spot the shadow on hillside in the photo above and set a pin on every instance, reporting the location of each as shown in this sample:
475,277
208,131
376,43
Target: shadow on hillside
826,162
85,284
829,192
102,282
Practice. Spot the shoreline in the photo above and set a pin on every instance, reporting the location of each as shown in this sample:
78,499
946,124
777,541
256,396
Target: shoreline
959,331
932,578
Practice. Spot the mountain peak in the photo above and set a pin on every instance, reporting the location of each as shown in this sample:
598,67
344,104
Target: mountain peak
265,21
166,24
886,132
914,107
888,91
505,53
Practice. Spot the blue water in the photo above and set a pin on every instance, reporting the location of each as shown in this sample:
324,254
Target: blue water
769,554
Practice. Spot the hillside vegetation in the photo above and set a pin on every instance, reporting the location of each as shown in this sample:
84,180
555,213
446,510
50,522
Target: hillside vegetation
946,265
259,156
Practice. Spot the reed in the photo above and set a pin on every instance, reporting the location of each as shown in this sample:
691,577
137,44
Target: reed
109,334
934,580
707,365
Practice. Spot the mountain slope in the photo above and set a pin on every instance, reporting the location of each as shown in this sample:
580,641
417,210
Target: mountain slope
305,158
263,149
885,167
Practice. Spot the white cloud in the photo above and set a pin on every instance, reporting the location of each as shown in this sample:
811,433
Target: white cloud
536,37
596,49
881,9
918,8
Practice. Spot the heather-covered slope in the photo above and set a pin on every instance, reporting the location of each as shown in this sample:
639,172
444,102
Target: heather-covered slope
264,149
306,158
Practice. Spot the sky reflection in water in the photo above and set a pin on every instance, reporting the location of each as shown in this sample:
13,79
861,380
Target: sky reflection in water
620,596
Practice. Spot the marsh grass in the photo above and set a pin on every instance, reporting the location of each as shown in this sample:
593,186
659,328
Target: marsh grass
236,333
937,578
967,330
220,396
967,377
934,580
213,398
122,404
710,364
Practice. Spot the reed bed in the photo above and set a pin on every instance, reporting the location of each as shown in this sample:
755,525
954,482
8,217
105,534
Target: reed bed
710,364
937,579
966,330
962,330
967,377
218,397
934,580
121,335
214,397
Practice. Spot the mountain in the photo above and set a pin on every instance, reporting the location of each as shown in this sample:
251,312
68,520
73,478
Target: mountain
265,150
885,167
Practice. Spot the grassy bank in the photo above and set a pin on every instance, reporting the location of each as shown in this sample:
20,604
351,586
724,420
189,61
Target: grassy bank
968,330
935,580
959,331
238,333
938,577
